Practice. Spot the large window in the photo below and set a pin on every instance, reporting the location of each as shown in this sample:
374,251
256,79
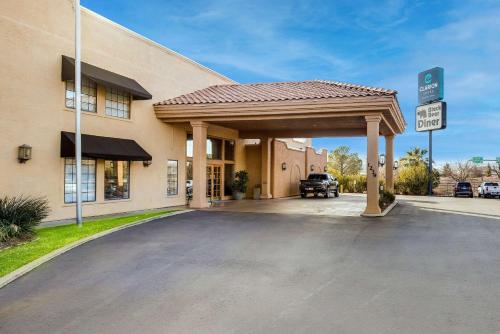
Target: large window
89,95
214,149
117,103
172,177
88,180
229,149
116,179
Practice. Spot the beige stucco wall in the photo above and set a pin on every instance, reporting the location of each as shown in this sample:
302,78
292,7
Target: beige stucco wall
33,36
286,182
253,159
315,160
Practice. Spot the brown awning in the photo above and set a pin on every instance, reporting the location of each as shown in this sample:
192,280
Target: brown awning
104,77
103,148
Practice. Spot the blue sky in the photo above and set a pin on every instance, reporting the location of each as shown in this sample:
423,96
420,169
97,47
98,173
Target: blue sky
378,43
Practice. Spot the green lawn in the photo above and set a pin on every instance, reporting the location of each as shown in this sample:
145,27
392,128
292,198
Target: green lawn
51,238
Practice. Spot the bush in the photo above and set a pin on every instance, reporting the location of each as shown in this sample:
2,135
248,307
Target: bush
240,182
20,215
352,183
414,180
385,199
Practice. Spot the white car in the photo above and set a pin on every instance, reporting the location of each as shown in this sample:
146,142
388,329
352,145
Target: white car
488,189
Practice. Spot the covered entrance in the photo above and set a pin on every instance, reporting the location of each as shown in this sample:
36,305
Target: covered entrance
289,110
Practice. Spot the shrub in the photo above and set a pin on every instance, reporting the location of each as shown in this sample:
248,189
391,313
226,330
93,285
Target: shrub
240,182
385,199
352,183
20,215
414,180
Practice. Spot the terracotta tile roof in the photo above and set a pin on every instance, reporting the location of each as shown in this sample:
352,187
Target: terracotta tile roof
276,91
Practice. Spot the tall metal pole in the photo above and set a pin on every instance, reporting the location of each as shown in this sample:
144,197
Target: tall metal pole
78,135
430,163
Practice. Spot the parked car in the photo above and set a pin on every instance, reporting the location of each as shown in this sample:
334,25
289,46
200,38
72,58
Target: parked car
319,183
488,189
463,189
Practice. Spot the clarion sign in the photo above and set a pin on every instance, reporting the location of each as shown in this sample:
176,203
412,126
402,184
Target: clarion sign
430,85
430,117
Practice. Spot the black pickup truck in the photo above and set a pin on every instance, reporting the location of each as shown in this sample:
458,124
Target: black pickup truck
319,183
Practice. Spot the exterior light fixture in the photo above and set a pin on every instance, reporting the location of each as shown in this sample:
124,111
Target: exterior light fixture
283,166
23,153
312,168
396,165
147,163
325,169
381,160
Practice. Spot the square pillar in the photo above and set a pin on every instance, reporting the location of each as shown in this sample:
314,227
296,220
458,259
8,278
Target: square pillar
389,163
266,150
372,195
199,165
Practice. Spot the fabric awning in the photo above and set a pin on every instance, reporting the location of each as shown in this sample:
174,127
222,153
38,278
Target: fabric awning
104,77
103,148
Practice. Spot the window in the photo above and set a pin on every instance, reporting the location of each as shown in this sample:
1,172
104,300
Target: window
117,103
89,93
228,149
189,146
214,149
172,177
116,179
88,180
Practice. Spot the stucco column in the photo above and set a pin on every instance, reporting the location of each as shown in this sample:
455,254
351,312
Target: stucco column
389,163
199,165
372,133
266,151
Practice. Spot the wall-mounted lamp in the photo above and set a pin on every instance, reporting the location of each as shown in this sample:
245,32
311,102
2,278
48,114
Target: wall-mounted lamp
381,160
283,166
147,163
312,168
325,169
396,165
23,153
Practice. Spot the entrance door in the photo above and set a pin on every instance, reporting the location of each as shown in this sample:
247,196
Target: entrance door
214,182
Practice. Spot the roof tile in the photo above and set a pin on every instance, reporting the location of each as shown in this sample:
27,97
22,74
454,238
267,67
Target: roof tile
276,91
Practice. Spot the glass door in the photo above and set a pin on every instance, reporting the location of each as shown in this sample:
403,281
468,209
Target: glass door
214,182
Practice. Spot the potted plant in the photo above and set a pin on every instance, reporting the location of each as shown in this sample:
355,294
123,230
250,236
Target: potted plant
240,184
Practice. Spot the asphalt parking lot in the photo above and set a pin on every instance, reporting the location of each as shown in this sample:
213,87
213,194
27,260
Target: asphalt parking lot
413,271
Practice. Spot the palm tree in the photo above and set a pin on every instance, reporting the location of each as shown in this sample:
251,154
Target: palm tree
415,157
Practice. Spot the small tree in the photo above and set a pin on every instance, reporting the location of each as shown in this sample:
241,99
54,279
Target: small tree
342,162
496,170
488,171
414,157
461,171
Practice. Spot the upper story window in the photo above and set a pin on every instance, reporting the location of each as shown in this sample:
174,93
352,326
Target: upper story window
117,103
89,95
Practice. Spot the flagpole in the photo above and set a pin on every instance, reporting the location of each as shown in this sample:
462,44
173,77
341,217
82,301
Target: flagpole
78,135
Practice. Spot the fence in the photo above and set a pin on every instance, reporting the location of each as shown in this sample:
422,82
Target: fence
447,184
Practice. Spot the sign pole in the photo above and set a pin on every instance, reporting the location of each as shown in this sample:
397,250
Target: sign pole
430,163
78,137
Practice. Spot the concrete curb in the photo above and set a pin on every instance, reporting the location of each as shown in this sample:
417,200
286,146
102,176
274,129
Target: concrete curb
383,213
47,257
